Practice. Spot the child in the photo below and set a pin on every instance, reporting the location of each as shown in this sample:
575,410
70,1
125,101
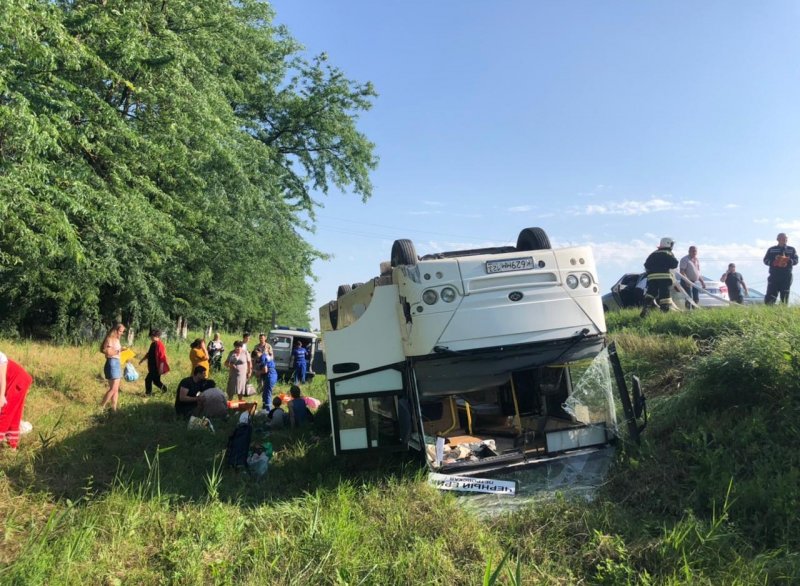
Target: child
277,416
299,413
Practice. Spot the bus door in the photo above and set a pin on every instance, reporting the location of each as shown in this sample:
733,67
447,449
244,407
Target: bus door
370,412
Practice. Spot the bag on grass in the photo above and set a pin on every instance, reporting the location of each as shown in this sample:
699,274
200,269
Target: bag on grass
199,423
249,390
239,445
130,372
257,464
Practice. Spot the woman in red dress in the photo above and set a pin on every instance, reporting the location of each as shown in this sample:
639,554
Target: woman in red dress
14,385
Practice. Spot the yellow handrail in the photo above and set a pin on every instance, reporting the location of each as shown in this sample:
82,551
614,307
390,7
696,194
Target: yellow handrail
453,417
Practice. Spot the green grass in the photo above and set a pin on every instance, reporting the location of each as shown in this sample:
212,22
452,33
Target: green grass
134,498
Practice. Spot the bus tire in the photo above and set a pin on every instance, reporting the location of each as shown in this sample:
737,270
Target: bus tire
403,253
533,239
343,290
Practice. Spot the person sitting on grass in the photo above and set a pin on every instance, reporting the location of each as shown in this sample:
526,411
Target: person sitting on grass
212,403
299,413
187,396
277,416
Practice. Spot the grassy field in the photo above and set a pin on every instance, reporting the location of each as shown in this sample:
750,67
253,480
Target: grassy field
134,498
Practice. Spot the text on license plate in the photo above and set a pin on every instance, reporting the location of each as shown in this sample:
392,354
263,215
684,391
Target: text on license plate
510,264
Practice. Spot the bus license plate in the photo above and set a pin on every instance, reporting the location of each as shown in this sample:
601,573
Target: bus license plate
509,264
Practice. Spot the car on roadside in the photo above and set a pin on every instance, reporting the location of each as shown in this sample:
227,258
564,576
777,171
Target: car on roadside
629,291
282,340
753,297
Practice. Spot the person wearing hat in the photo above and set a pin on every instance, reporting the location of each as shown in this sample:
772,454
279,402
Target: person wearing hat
780,259
659,265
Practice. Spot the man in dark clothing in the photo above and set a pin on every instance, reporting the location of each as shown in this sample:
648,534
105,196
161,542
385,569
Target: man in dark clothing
735,283
780,259
186,397
659,278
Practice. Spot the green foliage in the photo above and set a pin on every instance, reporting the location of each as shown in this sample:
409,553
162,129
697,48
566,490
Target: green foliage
733,423
710,498
155,160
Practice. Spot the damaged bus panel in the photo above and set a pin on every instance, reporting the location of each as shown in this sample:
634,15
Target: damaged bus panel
481,359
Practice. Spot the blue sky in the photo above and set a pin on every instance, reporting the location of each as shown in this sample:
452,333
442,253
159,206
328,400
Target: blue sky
605,123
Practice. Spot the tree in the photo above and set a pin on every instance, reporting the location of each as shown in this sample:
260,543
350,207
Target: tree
155,158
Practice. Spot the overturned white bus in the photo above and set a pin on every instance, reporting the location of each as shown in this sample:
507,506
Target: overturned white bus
481,359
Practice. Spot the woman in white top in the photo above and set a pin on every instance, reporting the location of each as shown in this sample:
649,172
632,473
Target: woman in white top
111,348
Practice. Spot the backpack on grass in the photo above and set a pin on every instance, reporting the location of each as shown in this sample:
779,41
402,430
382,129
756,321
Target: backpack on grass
239,445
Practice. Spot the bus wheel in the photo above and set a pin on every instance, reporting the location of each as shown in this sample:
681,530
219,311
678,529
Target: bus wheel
343,290
533,239
403,253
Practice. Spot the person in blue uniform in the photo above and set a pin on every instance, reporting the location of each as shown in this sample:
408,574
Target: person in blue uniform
267,373
300,363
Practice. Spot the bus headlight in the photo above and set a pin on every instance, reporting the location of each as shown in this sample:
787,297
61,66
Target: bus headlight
448,294
572,281
586,280
430,297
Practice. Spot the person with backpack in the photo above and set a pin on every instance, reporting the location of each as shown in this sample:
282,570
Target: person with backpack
156,363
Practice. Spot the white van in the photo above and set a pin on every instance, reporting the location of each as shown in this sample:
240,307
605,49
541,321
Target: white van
481,359
282,340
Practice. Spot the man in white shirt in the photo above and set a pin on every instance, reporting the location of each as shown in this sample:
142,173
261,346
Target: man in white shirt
690,269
